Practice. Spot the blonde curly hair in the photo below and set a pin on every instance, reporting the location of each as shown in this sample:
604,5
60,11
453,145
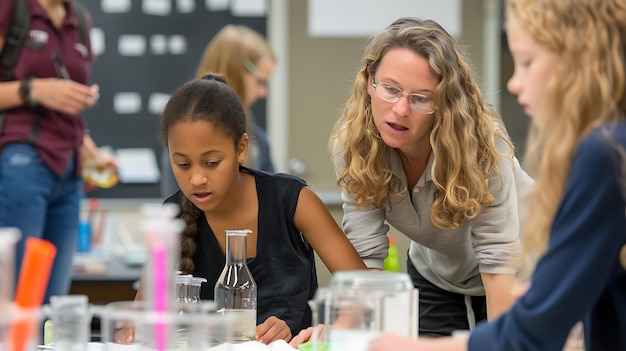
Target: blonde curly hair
462,138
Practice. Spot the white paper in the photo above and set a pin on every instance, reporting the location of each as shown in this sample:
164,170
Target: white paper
157,102
362,18
248,8
157,7
158,44
96,35
127,103
278,345
185,6
217,5
131,45
137,165
177,44
115,6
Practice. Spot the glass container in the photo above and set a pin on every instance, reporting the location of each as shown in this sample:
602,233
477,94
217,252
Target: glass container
236,290
194,289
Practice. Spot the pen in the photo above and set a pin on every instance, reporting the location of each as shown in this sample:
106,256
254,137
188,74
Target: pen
59,66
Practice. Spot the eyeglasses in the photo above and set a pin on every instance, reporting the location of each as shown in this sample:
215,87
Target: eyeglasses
251,68
391,93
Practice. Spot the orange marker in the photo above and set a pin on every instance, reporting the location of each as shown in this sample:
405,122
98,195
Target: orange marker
31,287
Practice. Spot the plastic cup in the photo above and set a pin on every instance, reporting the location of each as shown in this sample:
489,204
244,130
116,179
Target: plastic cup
71,322
8,239
19,329
360,305
122,323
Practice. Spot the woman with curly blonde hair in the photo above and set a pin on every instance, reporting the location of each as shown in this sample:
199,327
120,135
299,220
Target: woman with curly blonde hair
570,77
417,147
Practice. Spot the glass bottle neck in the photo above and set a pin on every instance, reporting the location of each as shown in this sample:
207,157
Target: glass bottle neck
236,249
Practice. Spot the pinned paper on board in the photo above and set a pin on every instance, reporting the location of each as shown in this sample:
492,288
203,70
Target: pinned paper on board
158,44
131,45
137,165
177,44
217,5
185,6
127,103
248,8
157,102
157,7
115,6
96,35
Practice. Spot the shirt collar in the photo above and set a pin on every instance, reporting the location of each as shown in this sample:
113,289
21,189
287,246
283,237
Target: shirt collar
38,11
396,168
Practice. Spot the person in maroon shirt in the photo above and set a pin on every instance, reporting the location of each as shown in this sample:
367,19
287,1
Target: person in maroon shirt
42,132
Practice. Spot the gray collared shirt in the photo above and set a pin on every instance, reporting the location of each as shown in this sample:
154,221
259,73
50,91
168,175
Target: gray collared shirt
449,258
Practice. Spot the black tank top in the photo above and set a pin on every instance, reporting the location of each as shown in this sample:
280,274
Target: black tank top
284,266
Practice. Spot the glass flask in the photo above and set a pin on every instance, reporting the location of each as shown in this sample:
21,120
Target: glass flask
181,288
193,291
236,290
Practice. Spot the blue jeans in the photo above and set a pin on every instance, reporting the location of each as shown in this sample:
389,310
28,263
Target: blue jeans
41,205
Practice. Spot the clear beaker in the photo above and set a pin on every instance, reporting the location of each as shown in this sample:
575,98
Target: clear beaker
345,319
70,317
359,305
19,329
122,323
8,238
398,307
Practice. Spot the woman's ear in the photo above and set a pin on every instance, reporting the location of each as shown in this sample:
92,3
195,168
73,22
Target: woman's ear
242,148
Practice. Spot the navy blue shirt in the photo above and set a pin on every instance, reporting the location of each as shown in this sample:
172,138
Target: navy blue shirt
284,266
580,276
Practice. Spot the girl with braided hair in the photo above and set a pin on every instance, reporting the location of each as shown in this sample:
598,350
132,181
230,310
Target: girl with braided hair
204,128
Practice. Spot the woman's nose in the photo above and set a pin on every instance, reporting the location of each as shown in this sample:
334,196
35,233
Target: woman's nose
402,107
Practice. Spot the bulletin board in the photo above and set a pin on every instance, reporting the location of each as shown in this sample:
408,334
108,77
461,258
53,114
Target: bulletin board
144,51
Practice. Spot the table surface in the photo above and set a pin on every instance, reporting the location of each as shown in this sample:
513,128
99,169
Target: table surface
88,267
279,345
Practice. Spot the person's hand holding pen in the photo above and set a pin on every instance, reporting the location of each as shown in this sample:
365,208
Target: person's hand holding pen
63,94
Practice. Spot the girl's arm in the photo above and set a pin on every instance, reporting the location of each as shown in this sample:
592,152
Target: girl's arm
319,228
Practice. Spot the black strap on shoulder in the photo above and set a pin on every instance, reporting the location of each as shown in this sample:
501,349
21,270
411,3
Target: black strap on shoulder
13,43
15,38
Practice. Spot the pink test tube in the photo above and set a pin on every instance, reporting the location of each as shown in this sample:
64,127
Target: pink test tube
162,237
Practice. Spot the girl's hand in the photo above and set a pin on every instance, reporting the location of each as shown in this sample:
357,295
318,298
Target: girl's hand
303,336
125,335
273,329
